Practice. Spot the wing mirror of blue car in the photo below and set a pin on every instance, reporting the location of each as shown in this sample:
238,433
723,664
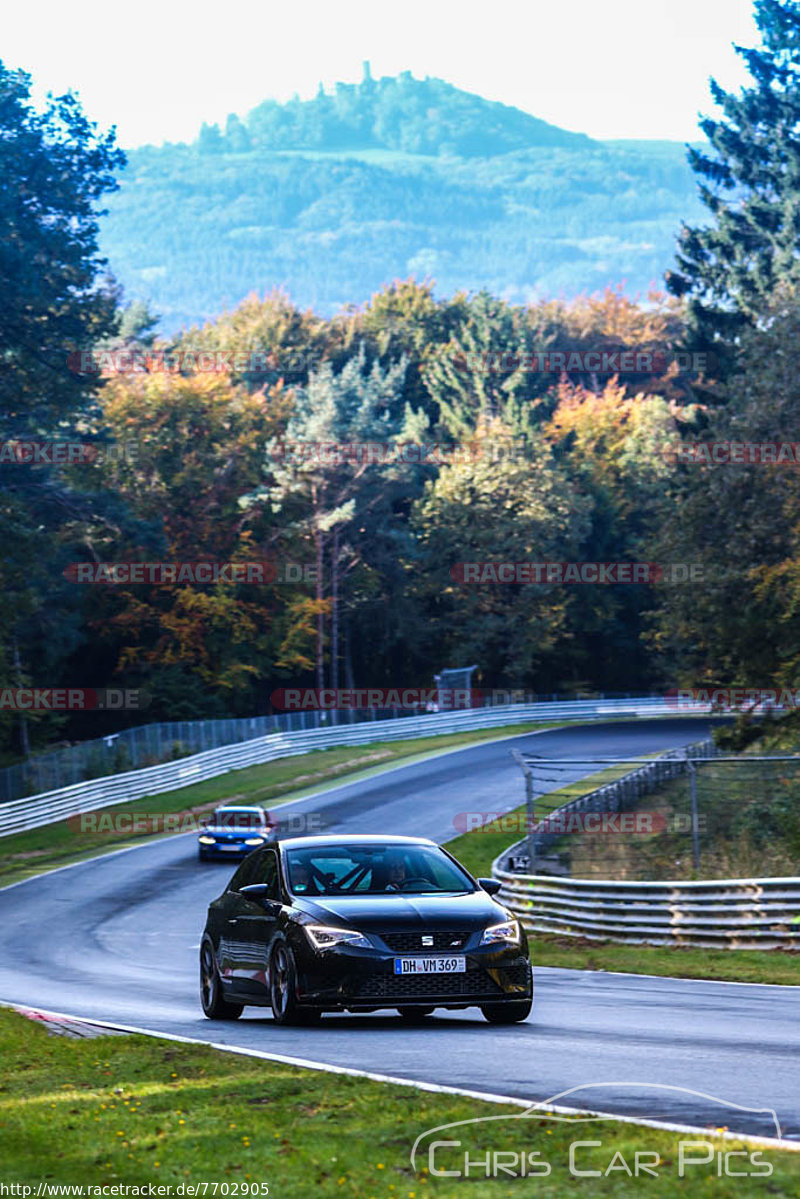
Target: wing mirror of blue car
490,885
260,893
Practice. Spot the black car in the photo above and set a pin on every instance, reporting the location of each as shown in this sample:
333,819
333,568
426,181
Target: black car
353,923
234,831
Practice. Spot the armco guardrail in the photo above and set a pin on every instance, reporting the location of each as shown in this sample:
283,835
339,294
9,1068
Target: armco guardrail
727,913
38,810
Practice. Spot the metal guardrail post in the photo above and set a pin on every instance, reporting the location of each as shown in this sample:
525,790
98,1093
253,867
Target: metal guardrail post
529,808
695,819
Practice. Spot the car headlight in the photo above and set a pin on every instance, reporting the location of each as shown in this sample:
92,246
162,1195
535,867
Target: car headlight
254,841
324,936
506,933
208,840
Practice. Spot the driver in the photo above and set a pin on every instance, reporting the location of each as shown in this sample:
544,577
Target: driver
301,878
396,874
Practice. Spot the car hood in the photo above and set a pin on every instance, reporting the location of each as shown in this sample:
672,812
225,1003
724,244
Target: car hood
408,912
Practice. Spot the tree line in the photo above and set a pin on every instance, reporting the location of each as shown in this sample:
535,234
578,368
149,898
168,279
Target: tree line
541,464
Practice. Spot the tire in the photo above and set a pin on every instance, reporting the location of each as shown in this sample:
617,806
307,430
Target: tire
215,1005
415,1015
508,1013
283,989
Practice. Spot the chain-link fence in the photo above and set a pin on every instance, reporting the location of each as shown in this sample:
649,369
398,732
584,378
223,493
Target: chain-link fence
150,744
708,817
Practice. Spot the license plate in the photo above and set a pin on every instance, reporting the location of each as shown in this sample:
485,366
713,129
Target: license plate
432,965
236,848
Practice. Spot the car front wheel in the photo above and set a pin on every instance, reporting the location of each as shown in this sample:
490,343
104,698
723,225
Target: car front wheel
283,989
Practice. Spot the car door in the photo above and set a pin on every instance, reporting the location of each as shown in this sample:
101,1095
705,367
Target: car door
226,917
253,926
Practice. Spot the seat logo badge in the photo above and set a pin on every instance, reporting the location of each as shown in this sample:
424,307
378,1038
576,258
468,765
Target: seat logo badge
427,941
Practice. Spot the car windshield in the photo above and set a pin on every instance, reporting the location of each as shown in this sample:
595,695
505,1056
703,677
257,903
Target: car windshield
223,819
373,870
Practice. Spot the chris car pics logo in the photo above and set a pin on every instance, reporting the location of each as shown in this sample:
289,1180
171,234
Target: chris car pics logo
502,1147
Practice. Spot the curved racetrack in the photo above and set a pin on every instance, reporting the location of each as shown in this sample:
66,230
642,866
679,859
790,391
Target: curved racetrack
116,939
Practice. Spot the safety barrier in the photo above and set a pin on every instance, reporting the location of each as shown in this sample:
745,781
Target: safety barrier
725,913
48,807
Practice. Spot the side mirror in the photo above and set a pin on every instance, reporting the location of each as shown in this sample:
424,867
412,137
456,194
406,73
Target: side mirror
490,885
260,893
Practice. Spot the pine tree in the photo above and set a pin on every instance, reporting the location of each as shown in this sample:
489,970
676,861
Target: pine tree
750,183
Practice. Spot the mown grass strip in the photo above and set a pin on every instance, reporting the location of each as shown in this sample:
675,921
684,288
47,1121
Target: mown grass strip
138,1111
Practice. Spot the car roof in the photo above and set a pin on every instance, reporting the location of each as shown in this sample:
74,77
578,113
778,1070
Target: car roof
239,808
353,839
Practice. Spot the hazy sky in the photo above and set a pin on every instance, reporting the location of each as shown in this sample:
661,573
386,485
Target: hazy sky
157,68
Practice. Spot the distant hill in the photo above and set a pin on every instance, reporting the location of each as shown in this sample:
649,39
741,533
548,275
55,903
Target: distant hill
332,197
414,116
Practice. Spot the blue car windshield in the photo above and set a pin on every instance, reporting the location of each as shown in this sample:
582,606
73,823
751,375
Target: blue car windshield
374,870
238,819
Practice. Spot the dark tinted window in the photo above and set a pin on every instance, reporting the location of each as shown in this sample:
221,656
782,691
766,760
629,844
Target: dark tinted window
373,870
246,873
226,819
266,871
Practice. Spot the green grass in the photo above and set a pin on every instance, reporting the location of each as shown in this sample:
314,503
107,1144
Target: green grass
728,965
136,1110
29,853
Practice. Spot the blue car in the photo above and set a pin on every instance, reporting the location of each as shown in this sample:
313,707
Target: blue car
234,832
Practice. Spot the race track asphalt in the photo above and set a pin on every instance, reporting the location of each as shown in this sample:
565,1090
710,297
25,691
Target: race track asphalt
116,939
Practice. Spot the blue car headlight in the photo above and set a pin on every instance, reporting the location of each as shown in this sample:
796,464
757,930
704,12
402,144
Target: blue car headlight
206,840
506,933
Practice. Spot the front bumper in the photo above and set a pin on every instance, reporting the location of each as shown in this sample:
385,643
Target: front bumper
360,979
233,850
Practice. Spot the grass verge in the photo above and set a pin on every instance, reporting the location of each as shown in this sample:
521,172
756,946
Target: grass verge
29,853
726,965
138,1111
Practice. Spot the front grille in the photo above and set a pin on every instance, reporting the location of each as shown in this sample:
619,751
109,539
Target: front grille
428,986
443,940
